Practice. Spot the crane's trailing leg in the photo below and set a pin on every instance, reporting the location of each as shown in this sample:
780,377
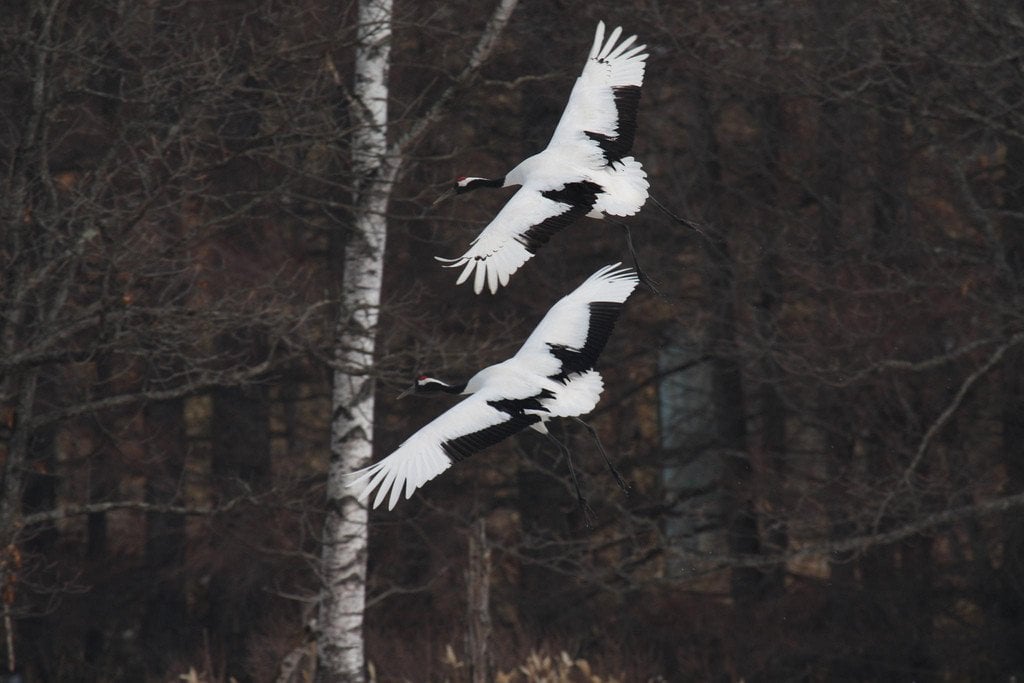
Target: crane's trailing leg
692,225
644,278
588,512
615,473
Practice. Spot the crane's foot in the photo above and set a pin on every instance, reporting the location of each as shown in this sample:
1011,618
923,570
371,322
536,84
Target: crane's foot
618,479
644,278
604,454
589,516
647,280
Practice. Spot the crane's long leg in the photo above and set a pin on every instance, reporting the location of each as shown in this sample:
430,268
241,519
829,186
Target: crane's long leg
615,473
693,225
644,278
588,512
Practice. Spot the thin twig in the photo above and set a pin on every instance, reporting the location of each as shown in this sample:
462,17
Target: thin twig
488,39
942,420
65,511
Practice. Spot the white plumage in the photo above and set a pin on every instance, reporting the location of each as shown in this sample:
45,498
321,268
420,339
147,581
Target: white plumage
552,375
584,169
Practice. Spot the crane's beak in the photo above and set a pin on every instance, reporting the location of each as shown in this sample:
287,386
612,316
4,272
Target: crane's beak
445,195
408,391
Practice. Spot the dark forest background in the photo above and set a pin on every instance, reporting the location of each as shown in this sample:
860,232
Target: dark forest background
822,420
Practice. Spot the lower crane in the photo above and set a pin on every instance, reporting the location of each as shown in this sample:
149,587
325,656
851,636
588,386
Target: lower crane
552,375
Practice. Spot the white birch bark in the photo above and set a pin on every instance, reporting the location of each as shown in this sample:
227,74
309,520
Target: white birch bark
340,648
340,656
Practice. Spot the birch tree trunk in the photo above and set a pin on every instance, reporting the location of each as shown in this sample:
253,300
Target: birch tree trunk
340,647
340,656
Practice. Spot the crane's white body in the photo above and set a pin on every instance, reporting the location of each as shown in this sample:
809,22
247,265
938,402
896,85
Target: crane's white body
551,375
581,172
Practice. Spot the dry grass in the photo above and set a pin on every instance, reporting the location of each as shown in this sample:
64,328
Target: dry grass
538,668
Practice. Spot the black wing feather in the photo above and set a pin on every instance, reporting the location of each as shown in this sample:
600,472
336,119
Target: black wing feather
627,104
603,315
462,447
580,196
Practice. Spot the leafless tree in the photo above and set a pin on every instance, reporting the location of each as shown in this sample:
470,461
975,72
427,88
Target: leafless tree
159,174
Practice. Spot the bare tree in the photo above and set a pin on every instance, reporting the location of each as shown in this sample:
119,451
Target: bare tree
340,651
144,167
375,166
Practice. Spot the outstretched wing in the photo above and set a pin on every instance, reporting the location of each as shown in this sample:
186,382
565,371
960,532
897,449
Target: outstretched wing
575,330
603,105
523,226
468,427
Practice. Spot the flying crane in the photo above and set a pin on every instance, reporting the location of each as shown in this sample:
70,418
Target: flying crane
584,170
552,375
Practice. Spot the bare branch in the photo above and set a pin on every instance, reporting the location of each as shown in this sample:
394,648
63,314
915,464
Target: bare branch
915,366
943,418
485,45
66,511
202,382
865,542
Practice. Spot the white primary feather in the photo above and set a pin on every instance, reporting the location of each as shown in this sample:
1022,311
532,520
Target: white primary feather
420,458
567,322
500,249
591,105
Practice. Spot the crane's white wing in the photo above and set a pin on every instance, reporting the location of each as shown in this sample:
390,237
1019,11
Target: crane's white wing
523,225
470,426
575,330
603,104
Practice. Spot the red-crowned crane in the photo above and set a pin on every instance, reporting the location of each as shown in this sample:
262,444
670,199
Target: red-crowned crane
551,376
584,170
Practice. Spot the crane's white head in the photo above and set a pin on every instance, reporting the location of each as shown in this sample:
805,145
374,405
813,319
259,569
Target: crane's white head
470,183
432,385
465,184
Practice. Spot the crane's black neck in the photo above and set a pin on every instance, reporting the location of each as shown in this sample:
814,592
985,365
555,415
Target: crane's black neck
454,388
